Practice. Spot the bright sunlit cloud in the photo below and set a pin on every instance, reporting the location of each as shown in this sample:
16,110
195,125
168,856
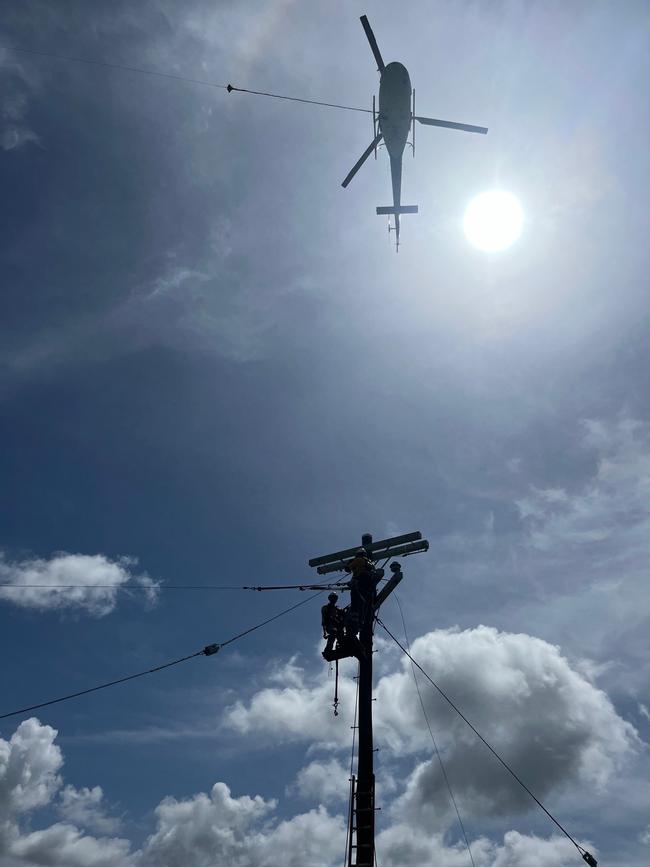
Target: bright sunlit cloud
493,220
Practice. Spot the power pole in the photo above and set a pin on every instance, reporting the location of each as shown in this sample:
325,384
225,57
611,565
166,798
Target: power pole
362,807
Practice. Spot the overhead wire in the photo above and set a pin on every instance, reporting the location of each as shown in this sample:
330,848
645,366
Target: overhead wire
201,81
209,650
433,739
148,587
12,586
139,69
583,852
232,87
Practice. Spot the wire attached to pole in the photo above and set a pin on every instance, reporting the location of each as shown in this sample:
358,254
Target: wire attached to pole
209,650
433,740
586,856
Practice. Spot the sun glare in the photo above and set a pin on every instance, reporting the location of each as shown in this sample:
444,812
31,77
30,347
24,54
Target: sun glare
493,220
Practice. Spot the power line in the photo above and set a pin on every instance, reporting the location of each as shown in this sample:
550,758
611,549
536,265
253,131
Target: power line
124,586
336,585
585,855
209,650
433,740
269,619
142,71
121,66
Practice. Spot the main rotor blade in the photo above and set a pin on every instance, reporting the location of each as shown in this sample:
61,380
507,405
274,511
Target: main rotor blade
467,127
373,43
364,156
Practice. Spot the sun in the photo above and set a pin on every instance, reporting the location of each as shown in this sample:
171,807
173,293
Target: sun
493,220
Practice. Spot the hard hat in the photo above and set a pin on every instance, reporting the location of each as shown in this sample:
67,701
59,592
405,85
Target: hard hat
361,552
333,596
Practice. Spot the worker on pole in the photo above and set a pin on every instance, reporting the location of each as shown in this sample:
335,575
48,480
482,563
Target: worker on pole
332,622
361,569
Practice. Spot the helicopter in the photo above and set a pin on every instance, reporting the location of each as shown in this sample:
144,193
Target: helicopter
391,123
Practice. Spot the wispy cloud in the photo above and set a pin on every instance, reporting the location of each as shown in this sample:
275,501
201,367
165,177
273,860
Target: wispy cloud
85,807
89,582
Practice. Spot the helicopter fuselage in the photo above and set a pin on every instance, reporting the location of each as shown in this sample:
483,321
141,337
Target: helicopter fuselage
395,107
395,118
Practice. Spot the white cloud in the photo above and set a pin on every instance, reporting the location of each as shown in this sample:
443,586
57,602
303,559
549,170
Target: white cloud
216,828
29,766
294,713
14,103
221,829
591,544
30,762
71,569
614,505
84,807
63,845
546,718
398,846
13,136
322,781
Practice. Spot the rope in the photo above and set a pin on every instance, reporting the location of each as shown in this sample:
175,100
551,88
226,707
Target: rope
142,71
232,87
580,849
336,689
433,740
122,66
207,651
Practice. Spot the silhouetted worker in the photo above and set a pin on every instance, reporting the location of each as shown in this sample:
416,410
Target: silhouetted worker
361,584
332,621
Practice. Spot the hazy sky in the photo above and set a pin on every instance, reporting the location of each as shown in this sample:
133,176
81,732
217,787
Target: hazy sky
213,367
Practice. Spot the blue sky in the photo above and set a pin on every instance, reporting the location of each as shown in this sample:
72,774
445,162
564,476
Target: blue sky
213,367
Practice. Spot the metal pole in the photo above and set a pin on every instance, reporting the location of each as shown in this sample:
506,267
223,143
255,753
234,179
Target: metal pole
365,800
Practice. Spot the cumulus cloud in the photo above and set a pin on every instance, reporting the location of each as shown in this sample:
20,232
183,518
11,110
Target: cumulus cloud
545,718
222,829
30,762
211,828
543,715
84,807
323,781
295,712
29,766
93,571
398,846
63,845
